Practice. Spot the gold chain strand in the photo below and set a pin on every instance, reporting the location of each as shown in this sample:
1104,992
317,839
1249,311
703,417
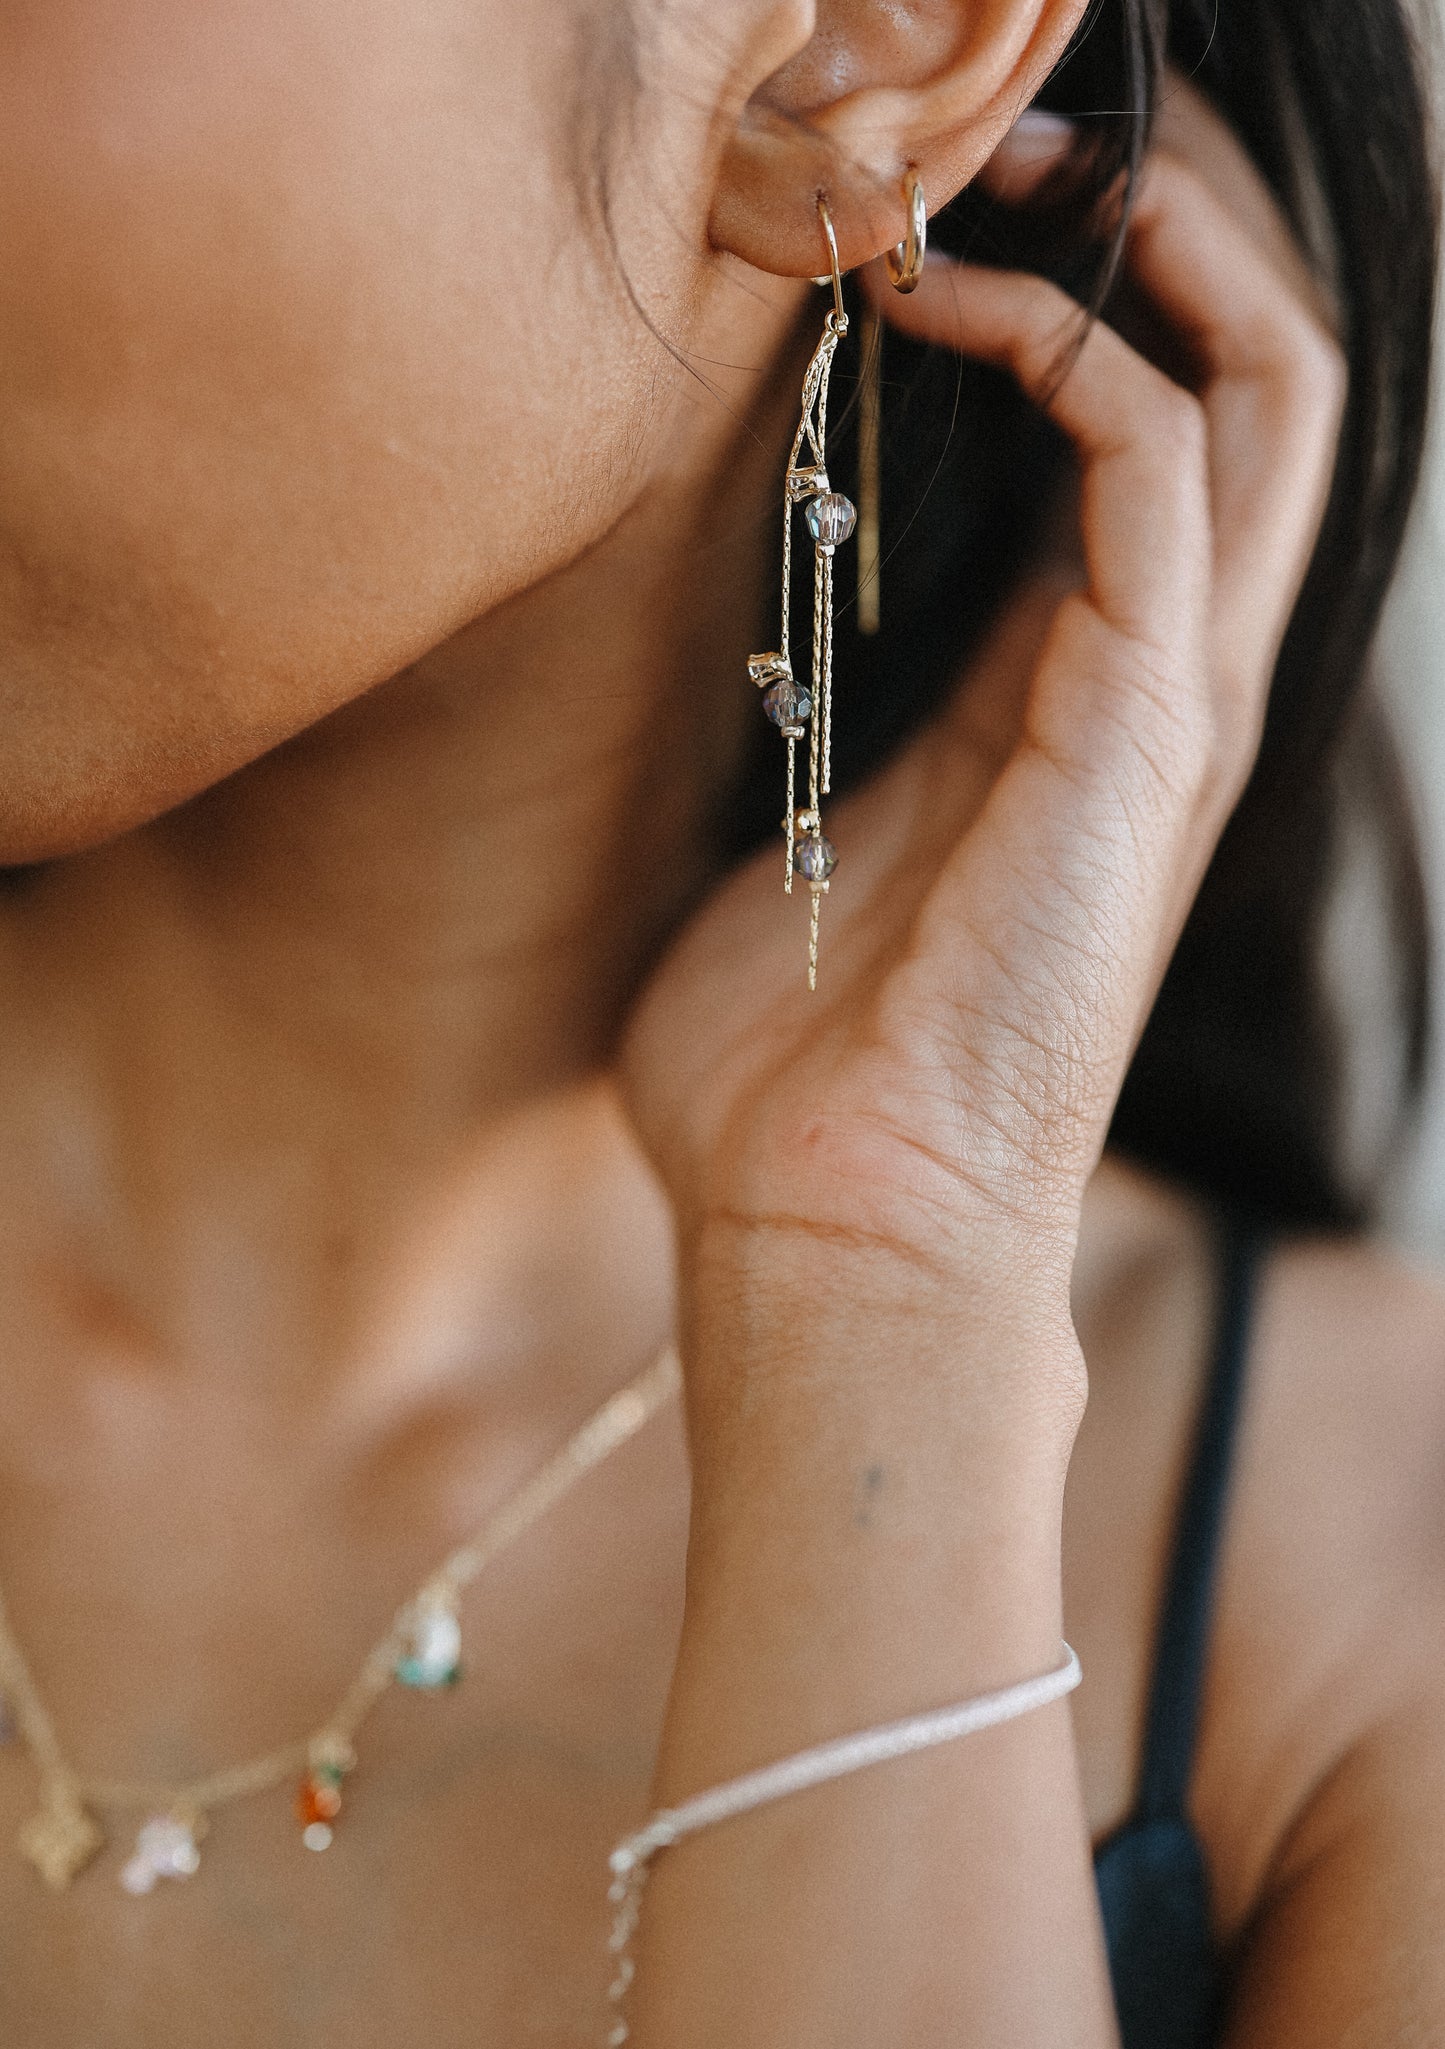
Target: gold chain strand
783,645
788,605
815,724
23,1698
790,821
826,353
63,1837
827,711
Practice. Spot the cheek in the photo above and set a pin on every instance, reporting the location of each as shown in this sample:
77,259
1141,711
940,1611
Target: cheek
307,356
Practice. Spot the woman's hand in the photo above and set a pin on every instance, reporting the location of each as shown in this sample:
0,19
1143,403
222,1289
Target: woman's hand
918,1134
878,1187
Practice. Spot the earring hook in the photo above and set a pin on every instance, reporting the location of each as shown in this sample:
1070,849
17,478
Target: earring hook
839,317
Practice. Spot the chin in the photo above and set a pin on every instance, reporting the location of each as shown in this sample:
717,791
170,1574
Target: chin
36,835
57,802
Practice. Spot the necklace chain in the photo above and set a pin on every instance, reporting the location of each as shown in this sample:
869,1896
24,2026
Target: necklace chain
419,1649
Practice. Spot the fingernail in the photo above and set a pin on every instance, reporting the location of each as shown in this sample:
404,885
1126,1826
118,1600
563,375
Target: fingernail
1039,122
1031,149
1036,137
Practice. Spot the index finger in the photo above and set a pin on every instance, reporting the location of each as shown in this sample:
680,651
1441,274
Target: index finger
1139,437
1273,391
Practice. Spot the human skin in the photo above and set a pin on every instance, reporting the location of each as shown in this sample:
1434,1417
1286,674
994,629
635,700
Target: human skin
375,588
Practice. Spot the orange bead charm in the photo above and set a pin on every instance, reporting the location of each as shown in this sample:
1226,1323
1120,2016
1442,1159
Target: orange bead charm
318,1800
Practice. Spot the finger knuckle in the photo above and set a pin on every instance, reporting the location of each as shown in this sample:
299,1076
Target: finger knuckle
1168,183
1050,322
1183,767
1047,306
1172,726
1150,724
1240,703
1323,369
1180,426
1306,364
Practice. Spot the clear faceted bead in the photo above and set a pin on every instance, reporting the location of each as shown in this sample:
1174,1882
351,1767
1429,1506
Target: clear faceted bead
814,857
831,517
787,704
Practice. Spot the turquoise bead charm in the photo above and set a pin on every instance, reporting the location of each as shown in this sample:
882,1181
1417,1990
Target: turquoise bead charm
434,1656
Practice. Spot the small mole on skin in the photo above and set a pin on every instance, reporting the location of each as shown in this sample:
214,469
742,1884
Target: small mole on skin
872,1480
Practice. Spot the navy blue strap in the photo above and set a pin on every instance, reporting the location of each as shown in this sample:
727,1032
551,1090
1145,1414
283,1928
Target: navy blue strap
1182,1646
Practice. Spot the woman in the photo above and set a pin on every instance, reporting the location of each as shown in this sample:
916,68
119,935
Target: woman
396,407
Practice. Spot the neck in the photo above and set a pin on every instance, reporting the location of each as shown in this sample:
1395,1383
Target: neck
266,1036
306,1082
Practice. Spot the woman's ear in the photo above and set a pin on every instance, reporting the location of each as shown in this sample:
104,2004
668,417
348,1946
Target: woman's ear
878,85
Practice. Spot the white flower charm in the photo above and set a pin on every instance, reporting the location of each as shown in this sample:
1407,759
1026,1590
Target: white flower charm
164,1848
434,1656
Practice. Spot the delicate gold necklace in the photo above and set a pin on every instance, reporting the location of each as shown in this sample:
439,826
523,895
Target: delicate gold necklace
421,1648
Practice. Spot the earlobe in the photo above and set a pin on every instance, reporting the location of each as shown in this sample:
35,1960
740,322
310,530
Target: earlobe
935,84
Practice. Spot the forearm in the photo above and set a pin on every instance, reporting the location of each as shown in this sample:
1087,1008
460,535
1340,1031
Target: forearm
864,1549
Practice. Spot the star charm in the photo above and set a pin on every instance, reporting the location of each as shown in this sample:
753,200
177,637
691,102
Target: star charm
60,1840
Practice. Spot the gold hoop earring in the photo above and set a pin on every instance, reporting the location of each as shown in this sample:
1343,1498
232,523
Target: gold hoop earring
830,519
905,262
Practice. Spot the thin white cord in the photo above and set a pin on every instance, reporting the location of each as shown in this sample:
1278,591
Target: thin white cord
834,1760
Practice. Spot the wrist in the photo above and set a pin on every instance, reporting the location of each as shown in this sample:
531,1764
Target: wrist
878,1495
896,1526
816,1604
799,1353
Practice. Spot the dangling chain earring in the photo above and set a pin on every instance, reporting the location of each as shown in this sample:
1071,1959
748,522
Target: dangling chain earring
905,267
830,518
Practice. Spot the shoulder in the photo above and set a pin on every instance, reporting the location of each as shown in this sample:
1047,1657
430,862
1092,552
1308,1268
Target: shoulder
1334,1584
1345,1283
1332,1643
1348,1410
